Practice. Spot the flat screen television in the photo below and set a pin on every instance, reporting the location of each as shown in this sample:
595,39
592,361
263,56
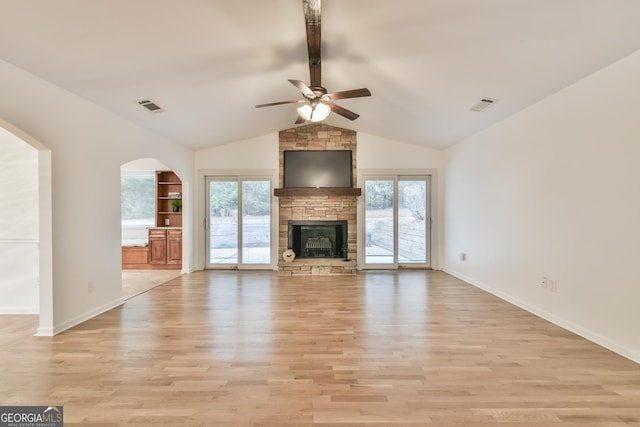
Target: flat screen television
318,169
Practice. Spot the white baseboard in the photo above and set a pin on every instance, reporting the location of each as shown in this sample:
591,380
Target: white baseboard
556,320
44,332
67,324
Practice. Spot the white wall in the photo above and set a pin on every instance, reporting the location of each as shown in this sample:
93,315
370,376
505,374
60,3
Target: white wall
88,145
380,153
255,153
144,165
18,226
553,191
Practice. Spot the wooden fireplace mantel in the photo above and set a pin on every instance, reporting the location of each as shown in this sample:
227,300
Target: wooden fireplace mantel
310,192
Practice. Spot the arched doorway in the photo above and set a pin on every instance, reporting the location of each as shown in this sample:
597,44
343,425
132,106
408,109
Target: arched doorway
26,239
140,206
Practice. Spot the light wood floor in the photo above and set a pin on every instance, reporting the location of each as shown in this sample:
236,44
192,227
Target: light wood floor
135,282
379,349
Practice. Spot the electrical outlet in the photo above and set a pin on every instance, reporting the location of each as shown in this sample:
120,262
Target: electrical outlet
90,287
544,282
553,285
463,256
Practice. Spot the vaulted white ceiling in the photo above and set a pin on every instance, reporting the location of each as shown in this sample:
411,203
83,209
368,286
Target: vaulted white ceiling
208,62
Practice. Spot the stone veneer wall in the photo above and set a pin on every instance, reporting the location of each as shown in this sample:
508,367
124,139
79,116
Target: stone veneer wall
317,207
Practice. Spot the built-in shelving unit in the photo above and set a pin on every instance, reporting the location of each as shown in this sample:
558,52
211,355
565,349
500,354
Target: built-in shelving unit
168,189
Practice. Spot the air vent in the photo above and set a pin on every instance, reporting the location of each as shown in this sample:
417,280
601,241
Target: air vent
483,104
151,106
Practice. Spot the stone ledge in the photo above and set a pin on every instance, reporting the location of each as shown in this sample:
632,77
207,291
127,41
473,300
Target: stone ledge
312,266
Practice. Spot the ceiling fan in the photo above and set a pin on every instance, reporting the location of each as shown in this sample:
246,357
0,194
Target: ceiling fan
317,103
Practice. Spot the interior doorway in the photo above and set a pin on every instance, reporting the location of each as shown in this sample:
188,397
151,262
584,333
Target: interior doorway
19,229
44,269
143,244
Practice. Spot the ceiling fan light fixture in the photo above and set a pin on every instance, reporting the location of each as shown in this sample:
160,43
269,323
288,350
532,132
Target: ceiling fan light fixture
314,111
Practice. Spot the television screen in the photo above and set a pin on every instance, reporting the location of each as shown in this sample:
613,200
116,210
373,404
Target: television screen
323,169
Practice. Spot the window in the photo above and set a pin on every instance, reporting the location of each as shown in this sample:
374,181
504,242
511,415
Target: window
138,193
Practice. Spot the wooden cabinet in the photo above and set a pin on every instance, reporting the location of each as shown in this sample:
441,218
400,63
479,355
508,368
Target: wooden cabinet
157,246
174,247
168,193
165,247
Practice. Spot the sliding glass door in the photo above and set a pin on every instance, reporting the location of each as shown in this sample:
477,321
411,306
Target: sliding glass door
413,221
380,221
256,222
397,221
239,222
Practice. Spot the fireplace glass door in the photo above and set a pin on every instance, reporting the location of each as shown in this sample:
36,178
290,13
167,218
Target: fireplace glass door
239,222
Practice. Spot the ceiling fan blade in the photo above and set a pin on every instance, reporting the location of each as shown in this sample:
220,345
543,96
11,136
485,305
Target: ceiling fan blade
354,93
292,101
302,87
342,111
312,13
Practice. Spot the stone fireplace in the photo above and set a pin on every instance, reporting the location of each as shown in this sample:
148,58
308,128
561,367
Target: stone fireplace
327,216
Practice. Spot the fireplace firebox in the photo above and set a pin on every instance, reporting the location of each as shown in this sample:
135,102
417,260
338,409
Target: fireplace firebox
318,239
